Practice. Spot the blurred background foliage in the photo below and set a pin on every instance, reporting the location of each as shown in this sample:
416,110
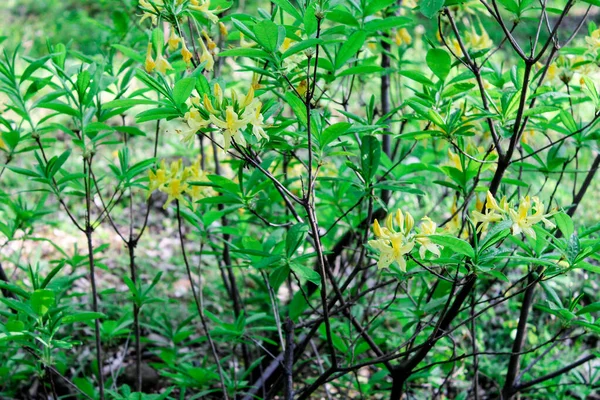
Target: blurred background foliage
62,21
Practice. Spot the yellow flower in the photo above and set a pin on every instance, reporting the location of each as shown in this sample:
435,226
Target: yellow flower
157,179
455,160
302,87
204,8
457,49
479,41
393,245
523,222
150,64
218,92
194,174
162,65
223,30
174,189
493,212
210,43
527,135
428,227
187,136
287,43
391,250
256,81
208,105
244,43
206,57
256,119
230,127
593,40
292,61
402,36
185,53
195,120
173,40
248,99
150,11
552,72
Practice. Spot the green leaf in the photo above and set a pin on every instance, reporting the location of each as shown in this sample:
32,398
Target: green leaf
594,307
306,273
350,48
416,76
439,62
539,110
60,107
370,157
298,107
183,89
278,276
573,248
245,52
387,23
42,300
294,238
593,2
361,70
82,316
129,52
300,46
332,132
287,6
267,35
564,223
310,20
158,40
551,293
373,6
430,8
455,244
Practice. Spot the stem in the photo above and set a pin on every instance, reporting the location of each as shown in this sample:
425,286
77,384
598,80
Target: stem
88,234
136,320
87,163
289,359
514,361
199,307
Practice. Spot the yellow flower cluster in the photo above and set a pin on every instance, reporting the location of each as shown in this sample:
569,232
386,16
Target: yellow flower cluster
593,41
177,181
231,115
474,41
291,62
402,36
394,244
152,9
476,152
529,212
160,64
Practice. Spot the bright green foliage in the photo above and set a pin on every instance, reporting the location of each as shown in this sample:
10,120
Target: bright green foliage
300,199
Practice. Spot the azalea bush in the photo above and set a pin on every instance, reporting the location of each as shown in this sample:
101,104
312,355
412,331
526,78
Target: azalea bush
303,199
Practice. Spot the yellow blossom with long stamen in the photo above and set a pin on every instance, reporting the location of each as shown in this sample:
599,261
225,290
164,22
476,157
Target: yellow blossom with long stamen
523,221
231,127
391,244
428,227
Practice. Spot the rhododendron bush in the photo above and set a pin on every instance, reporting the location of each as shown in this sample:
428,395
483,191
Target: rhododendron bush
302,199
